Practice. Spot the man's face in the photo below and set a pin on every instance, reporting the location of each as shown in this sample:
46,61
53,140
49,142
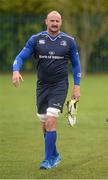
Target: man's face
53,23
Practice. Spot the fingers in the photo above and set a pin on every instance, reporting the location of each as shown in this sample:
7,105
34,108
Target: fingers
21,78
76,96
16,79
16,82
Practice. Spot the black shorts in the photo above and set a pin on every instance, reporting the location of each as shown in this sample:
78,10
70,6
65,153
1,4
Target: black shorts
51,95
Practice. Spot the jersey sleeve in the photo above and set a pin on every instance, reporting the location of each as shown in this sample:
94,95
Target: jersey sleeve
76,66
25,54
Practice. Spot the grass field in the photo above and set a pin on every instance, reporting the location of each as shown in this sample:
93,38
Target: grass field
83,149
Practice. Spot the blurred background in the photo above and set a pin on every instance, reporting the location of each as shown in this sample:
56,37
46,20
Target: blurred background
86,20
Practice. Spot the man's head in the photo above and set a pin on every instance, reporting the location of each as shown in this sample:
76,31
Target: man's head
53,22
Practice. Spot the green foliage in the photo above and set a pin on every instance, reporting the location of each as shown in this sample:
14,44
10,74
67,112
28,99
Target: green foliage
26,6
86,20
15,31
98,61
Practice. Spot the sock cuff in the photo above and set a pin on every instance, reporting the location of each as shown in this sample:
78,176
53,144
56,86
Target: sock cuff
50,132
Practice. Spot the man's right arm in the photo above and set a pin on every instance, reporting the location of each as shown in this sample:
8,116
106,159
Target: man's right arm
25,54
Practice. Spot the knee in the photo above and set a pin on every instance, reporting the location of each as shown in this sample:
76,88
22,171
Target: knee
52,115
50,124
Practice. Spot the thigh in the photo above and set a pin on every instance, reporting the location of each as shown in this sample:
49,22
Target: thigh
41,98
58,94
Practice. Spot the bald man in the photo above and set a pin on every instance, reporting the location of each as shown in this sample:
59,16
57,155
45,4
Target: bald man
53,50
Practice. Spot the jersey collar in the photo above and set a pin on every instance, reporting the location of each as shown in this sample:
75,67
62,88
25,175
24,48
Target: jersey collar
52,38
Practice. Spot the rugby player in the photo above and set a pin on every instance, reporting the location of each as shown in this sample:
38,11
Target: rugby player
53,50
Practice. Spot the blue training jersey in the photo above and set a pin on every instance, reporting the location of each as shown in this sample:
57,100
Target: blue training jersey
52,55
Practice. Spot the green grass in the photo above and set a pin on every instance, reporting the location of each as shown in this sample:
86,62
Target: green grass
83,149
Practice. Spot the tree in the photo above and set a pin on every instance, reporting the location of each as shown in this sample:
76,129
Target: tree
88,21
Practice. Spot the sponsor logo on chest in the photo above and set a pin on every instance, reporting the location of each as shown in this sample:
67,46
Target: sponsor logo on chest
51,53
42,41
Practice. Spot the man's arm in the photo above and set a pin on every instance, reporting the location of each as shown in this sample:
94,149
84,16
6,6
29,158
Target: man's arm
76,70
25,54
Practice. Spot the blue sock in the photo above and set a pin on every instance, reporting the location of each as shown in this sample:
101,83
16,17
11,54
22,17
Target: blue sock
50,141
55,152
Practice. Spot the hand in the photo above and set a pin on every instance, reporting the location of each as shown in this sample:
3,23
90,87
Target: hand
16,78
76,92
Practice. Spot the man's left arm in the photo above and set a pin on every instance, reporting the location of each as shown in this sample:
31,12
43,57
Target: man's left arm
76,70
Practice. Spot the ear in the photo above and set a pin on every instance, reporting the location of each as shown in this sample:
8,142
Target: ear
46,21
61,21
